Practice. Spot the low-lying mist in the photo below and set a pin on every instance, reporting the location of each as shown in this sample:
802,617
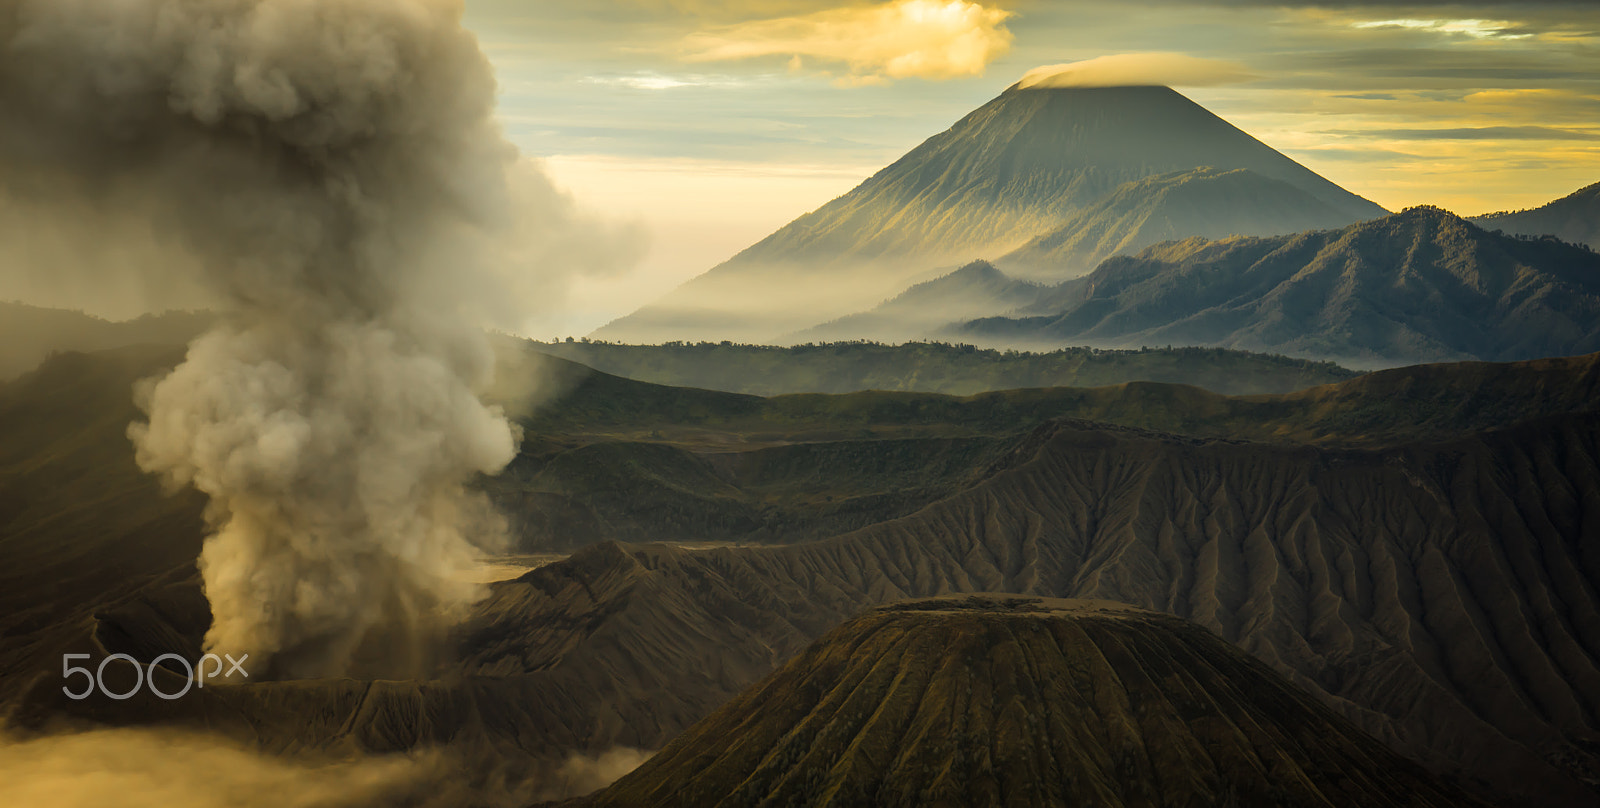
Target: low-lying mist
140,768
159,769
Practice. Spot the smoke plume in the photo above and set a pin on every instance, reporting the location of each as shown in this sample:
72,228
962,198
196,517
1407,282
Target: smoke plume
585,774
330,174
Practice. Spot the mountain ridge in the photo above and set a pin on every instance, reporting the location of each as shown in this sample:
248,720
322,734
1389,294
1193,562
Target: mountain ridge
1574,217
936,367
1420,285
28,333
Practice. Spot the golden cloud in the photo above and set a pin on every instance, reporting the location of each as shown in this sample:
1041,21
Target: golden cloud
926,39
1491,150
729,10
1137,69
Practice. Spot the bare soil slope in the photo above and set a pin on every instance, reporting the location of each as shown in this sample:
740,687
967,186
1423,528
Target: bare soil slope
983,701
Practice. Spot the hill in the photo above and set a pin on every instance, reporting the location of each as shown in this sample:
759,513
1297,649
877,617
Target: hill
29,333
1010,171
975,290
1421,285
1205,202
933,367
1574,218
991,701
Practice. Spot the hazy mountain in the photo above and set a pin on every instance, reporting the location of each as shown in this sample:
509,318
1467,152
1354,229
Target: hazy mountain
1574,218
1010,171
1204,202
29,333
975,290
992,701
1411,547
1420,285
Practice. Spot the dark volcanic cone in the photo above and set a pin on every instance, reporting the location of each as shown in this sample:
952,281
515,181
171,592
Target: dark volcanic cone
987,701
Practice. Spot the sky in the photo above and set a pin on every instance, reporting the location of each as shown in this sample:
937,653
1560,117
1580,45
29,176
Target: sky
711,123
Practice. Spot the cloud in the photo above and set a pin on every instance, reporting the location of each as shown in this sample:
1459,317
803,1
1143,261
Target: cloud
1353,155
1545,106
1376,69
1476,29
1126,69
730,11
1477,133
585,774
926,39
1363,4
650,80
158,768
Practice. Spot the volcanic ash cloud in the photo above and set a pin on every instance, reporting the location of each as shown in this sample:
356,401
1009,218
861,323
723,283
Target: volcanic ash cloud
331,171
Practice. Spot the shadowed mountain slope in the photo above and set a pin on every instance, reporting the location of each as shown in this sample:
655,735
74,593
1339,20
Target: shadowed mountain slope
80,526
1415,548
1442,597
980,702
792,468
1008,172
1205,202
1422,285
1575,218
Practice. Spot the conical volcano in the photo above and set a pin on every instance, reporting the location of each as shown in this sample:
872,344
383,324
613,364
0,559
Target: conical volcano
1010,171
1005,700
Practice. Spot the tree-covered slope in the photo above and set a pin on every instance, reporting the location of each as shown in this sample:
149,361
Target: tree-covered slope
1574,218
933,367
1422,285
